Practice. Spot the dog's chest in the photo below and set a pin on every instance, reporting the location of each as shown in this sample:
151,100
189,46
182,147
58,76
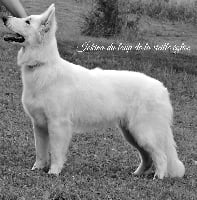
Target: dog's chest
34,107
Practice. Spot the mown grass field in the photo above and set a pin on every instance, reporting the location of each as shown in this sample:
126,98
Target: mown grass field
100,163
164,9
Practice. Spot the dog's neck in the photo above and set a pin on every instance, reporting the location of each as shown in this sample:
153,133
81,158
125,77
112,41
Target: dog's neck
35,65
34,57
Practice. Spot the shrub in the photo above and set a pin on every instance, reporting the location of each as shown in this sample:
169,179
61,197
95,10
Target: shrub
103,19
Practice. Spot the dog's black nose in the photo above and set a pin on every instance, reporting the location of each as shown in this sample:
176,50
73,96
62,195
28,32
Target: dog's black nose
5,19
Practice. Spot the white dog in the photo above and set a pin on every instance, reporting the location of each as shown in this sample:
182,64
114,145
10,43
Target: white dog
60,97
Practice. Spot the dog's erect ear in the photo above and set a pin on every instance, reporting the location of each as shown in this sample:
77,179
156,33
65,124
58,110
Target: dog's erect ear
48,18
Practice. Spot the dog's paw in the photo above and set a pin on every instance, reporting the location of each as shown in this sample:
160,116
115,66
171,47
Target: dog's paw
144,168
159,175
55,170
38,165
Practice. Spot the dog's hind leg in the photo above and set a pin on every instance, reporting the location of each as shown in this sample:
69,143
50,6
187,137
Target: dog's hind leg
146,160
60,135
41,143
151,137
156,137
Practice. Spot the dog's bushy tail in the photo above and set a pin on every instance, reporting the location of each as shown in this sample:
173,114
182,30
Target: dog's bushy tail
175,167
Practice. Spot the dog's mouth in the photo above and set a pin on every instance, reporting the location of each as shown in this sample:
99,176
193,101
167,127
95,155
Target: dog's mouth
14,37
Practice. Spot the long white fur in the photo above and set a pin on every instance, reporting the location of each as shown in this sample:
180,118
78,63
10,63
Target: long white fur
60,97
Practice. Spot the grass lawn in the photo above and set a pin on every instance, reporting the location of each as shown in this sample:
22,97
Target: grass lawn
100,163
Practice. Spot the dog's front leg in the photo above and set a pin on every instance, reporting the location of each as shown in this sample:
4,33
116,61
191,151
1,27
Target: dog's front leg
41,137
60,134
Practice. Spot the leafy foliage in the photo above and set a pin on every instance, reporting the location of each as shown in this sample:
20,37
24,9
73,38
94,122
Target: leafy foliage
103,19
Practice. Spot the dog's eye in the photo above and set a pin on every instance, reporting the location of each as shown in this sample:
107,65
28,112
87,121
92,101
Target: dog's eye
27,21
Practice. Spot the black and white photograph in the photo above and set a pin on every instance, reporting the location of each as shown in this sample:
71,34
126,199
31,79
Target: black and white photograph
98,100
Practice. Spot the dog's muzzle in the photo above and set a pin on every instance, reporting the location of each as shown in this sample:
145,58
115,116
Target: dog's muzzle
12,37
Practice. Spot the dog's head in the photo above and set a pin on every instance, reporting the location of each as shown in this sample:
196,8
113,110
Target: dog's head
32,30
